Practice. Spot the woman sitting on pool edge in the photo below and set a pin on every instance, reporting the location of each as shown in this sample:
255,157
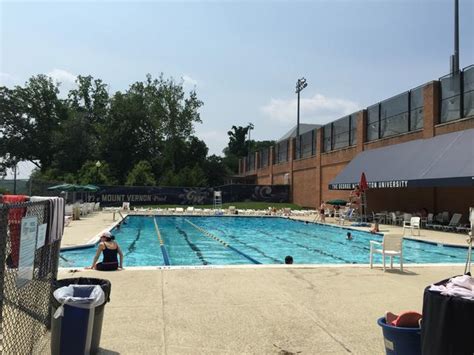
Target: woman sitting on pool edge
110,249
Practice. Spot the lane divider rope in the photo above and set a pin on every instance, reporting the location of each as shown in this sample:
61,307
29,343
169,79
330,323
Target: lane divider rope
162,244
225,244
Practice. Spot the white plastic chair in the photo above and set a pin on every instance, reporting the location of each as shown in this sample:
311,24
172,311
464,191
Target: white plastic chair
392,245
347,215
126,206
414,223
190,210
67,220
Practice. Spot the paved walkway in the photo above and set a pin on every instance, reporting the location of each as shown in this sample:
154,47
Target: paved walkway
82,231
281,310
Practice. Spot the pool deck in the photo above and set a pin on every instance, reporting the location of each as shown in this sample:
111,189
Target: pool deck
275,309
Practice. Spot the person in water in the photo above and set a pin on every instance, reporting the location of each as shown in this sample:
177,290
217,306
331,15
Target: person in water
111,251
288,259
349,236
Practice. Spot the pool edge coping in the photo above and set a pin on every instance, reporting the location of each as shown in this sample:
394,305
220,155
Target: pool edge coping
266,266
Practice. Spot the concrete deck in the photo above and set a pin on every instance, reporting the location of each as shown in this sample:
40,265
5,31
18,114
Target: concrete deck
285,310
253,310
82,231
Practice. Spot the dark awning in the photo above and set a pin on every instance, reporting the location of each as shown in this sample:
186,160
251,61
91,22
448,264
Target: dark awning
444,160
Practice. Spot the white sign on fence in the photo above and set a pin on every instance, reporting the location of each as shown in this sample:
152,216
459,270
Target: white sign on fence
27,250
41,235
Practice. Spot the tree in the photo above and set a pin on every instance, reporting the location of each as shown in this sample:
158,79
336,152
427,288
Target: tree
152,121
91,174
237,139
29,116
91,98
141,175
215,170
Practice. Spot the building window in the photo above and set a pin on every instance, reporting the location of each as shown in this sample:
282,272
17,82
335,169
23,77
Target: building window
264,155
394,116
468,91
251,162
353,133
305,146
341,132
327,137
416,108
282,152
373,122
450,98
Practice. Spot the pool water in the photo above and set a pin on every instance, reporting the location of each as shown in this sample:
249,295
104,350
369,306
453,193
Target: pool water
192,240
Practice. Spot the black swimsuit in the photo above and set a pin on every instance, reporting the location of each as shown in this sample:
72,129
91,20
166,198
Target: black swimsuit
110,260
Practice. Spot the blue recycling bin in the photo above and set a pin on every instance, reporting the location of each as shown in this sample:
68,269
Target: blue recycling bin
400,340
78,329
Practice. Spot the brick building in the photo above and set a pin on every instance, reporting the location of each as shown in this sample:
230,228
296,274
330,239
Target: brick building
315,163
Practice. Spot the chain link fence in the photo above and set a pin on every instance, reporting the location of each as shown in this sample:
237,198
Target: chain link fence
25,307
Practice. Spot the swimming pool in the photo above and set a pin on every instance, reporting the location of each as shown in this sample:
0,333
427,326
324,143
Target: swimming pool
192,240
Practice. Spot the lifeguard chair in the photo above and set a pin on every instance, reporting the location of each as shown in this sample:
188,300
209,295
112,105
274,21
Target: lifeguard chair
218,200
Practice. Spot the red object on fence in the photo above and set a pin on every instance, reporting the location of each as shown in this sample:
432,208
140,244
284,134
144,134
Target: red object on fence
14,224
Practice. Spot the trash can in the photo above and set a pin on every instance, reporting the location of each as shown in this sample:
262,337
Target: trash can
79,328
400,340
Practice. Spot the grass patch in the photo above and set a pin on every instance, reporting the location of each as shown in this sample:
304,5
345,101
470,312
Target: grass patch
238,205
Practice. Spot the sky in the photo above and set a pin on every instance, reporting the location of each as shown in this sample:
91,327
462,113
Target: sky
242,57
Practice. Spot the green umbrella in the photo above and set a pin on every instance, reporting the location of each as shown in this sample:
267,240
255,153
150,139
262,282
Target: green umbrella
64,187
90,187
337,202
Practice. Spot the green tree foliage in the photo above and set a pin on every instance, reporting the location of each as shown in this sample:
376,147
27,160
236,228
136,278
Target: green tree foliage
141,175
216,170
237,147
237,141
90,173
141,135
188,176
29,118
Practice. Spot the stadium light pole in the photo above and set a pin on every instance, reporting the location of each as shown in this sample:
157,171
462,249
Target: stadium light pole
300,85
455,56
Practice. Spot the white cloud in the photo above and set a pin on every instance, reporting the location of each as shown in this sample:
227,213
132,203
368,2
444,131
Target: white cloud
188,81
6,79
215,140
65,78
62,76
316,109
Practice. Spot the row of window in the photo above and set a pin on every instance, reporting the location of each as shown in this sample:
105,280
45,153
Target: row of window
341,133
306,145
400,114
457,95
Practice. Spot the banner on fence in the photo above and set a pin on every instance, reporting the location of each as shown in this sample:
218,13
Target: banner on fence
143,195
